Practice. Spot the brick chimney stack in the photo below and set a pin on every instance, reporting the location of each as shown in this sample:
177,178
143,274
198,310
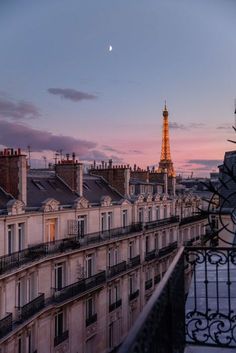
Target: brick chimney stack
116,176
13,173
71,172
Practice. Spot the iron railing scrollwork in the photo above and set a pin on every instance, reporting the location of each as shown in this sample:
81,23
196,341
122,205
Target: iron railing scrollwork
5,325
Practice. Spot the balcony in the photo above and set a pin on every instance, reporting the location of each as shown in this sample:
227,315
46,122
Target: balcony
31,308
5,325
157,279
134,261
167,249
61,338
91,320
161,222
169,323
151,255
191,219
148,284
34,253
117,269
78,288
115,305
133,295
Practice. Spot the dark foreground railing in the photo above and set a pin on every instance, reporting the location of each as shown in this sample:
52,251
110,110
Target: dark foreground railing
206,318
160,327
211,302
31,308
5,325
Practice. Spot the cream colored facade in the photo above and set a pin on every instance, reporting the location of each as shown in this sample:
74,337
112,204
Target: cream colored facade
91,315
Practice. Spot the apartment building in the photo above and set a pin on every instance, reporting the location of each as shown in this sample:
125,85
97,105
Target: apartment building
79,257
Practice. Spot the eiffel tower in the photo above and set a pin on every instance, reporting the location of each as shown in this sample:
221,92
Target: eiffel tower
166,163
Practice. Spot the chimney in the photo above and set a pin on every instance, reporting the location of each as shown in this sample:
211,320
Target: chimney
71,172
13,173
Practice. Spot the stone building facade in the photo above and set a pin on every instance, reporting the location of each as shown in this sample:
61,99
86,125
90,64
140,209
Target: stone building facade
79,259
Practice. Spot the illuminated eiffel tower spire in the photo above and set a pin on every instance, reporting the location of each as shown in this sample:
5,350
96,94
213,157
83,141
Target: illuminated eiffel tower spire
166,163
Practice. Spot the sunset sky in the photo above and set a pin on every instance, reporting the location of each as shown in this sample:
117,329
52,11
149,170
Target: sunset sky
61,88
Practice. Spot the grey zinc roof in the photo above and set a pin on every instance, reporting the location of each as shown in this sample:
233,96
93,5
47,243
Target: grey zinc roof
4,198
44,184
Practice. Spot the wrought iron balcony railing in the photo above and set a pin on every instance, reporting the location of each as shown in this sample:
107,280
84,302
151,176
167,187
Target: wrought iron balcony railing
61,338
193,218
91,319
157,279
207,318
33,253
134,261
161,222
117,269
133,295
167,249
115,305
80,287
148,284
31,308
150,255
5,325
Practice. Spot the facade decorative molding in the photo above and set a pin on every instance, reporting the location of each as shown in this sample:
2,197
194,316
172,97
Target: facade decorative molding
50,205
81,202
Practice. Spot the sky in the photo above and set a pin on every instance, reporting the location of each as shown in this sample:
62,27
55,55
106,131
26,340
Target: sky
62,89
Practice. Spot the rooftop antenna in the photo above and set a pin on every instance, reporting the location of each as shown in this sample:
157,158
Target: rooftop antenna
29,155
235,114
45,162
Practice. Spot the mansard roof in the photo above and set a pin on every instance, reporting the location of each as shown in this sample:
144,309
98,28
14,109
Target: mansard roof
44,184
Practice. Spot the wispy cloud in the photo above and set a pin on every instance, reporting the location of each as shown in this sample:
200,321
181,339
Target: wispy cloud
17,110
176,126
209,163
71,94
226,126
41,140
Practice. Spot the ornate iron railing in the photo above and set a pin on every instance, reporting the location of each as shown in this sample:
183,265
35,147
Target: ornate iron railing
5,325
91,319
148,284
33,253
117,269
134,295
167,249
161,222
150,255
160,327
211,303
31,308
61,338
115,305
80,287
193,218
166,323
134,261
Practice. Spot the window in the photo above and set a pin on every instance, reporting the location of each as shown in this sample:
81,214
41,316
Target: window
10,238
59,273
31,340
109,220
113,256
140,214
163,239
157,213
149,214
111,335
20,345
39,184
131,249
90,307
147,243
165,211
114,333
21,292
90,345
132,284
124,218
89,265
156,241
82,223
51,229
59,323
171,234
21,236
103,222
114,294
31,286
